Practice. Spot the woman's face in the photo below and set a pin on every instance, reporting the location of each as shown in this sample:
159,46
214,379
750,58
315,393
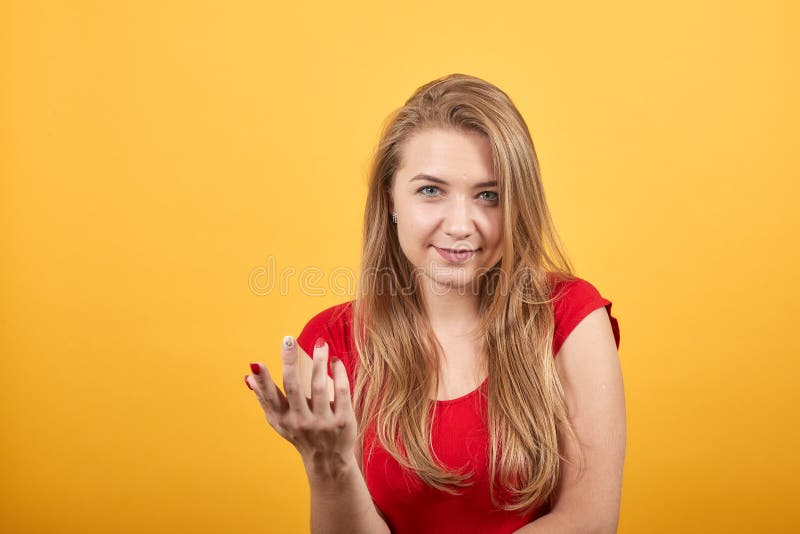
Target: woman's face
446,199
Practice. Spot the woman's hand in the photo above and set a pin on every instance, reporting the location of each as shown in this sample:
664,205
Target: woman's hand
323,432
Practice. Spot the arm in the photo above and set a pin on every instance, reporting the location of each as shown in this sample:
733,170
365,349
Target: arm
589,369
324,433
340,500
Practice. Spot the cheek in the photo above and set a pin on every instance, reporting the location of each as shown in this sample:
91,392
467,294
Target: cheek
499,237
418,212
413,237
494,230
419,223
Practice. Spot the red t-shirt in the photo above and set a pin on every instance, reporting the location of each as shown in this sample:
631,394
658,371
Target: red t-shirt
460,433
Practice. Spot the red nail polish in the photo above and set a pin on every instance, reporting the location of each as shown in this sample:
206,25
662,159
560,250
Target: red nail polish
320,342
245,381
255,368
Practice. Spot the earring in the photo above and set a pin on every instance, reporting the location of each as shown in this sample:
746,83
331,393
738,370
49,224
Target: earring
394,218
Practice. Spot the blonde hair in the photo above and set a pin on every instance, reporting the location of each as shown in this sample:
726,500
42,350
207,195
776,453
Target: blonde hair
398,354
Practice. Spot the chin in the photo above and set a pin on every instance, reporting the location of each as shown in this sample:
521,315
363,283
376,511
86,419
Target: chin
452,276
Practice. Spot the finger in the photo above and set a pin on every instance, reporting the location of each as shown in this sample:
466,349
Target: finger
267,388
272,416
319,380
252,382
341,390
291,377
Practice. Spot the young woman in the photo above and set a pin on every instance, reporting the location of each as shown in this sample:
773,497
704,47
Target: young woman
474,383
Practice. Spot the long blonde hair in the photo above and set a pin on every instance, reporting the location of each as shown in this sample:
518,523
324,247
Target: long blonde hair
398,354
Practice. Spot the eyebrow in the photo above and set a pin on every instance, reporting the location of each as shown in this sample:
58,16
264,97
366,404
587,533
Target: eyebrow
440,181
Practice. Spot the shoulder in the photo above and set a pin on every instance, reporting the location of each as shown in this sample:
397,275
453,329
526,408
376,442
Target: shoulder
330,323
334,324
591,376
575,299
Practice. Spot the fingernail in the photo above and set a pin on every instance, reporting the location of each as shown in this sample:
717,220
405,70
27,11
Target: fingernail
334,359
248,384
288,342
320,342
255,368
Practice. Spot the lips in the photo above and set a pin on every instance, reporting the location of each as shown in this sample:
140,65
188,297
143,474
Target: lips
456,255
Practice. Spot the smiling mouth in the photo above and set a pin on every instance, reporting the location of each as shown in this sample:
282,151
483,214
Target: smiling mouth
456,256
457,250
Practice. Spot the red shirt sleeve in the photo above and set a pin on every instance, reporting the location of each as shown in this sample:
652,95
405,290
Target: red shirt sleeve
579,298
333,325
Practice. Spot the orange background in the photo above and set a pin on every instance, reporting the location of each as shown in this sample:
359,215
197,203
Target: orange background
156,156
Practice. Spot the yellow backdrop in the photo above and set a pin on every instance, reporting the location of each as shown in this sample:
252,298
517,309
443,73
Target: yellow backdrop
160,159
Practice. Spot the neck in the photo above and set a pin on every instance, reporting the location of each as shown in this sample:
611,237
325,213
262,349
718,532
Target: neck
452,311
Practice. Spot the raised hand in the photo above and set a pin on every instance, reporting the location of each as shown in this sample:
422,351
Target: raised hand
323,432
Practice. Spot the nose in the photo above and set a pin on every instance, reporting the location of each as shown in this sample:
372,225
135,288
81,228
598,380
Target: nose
458,219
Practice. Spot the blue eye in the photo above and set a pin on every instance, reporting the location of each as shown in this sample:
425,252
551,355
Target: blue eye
493,198
426,187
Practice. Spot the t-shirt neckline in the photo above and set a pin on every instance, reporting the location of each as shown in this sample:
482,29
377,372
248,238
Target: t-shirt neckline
464,397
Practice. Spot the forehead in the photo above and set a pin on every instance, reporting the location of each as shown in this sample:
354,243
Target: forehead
449,154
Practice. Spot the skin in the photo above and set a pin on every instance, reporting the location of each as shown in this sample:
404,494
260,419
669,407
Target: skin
455,209
589,368
307,423
324,433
